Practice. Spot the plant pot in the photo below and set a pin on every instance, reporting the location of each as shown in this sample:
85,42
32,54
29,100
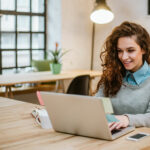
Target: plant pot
55,68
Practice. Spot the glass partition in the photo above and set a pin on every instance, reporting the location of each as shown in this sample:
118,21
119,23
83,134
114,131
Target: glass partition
8,59
23,41
37,23
22,33
7,4
38,55
23,23
8,23
7,40
37,6
23,58
23,5
37,41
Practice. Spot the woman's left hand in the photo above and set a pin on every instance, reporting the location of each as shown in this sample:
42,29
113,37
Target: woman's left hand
122,123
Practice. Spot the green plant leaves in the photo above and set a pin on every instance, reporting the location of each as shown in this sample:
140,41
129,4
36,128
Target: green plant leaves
56,55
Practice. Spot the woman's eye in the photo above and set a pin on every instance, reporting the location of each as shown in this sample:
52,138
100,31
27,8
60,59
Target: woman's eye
130,50
119,51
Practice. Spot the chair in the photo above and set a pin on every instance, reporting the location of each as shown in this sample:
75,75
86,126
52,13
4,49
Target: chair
79,85
41,65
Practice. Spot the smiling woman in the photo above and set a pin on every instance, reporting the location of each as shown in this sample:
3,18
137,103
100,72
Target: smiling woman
130,53
126,75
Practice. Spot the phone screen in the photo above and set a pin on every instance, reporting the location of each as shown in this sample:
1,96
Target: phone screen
138,136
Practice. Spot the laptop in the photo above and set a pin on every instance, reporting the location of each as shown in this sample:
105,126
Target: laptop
79,115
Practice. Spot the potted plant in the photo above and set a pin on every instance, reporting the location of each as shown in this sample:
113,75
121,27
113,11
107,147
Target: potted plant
55,56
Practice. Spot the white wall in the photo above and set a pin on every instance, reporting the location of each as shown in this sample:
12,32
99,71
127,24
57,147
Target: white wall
76,33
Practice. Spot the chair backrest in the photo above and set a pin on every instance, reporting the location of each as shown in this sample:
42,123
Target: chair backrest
41,65
79,85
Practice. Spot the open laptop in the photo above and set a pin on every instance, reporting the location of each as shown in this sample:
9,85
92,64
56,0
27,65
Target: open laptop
79,115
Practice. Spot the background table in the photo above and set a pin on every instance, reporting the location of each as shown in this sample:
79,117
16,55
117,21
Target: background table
38,77
19,131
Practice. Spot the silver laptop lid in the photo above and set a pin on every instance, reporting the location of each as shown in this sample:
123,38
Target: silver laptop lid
79,115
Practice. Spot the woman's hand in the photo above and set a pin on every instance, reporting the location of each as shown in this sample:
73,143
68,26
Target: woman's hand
122,123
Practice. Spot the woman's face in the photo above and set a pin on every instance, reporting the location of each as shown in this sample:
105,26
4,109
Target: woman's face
130,53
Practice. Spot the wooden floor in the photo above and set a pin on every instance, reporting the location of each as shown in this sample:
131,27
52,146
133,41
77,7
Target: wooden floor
28,97
29,94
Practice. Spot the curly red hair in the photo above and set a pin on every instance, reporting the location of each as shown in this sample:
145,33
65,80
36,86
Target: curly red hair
113,70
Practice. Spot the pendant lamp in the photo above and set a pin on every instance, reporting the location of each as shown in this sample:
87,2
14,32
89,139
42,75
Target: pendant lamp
101,14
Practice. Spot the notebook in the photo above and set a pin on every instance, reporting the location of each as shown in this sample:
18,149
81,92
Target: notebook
79,115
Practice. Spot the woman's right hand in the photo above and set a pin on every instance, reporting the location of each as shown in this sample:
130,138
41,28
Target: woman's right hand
122,123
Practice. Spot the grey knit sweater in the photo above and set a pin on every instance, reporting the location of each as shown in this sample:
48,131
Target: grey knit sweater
133,101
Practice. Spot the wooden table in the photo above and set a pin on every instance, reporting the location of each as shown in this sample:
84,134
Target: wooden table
18,131
37,77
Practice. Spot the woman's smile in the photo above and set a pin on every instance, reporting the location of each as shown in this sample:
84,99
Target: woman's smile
130,53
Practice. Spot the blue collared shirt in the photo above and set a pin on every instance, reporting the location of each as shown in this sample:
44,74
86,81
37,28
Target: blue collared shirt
139,76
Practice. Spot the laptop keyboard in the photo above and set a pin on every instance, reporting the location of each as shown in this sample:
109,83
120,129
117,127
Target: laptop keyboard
115,131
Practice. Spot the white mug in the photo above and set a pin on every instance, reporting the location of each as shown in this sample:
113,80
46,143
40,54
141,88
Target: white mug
43,119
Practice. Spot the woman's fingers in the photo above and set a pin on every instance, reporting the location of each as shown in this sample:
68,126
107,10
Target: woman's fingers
110,124
124,119
120,125
123,122
114,125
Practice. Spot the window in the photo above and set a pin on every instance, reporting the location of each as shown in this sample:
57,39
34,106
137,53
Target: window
22,33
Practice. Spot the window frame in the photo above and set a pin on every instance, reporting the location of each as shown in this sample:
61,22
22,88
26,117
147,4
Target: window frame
30,32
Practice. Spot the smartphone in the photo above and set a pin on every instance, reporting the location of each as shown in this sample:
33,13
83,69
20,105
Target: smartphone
138,136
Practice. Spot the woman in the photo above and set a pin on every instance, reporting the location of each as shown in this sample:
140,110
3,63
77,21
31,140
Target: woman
126,75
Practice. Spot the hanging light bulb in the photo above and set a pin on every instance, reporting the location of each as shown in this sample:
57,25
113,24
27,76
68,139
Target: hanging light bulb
102,13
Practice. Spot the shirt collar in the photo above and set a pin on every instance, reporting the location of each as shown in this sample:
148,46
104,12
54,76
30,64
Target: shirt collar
139,73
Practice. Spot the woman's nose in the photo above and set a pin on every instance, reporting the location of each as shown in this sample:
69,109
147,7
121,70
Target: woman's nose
124,55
